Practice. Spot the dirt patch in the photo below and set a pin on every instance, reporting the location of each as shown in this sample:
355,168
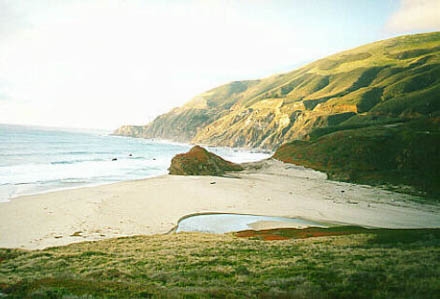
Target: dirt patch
294,233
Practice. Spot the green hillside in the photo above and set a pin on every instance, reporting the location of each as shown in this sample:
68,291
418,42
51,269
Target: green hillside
387,81
405,153
367,115
348,262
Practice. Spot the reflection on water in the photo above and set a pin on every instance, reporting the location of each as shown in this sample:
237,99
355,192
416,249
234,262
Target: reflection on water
224,223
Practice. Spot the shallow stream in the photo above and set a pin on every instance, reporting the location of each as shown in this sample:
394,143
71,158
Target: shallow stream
224,223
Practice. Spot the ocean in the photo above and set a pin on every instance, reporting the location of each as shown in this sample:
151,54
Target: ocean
36,159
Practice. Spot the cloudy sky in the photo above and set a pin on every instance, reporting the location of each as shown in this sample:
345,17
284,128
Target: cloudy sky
104,63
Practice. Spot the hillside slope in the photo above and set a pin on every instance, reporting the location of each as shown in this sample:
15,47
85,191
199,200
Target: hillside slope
383,82
354,263
397,154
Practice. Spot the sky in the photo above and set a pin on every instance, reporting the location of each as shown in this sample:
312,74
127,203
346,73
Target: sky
105,63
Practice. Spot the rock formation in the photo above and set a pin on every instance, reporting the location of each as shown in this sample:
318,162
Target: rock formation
198,161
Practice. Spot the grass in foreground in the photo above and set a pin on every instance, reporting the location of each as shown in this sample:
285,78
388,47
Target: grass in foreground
367,263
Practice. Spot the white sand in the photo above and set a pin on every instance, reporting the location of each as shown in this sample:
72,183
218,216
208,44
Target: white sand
260,225
153,206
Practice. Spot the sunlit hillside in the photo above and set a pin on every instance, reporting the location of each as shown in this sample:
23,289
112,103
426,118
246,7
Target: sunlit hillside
383,82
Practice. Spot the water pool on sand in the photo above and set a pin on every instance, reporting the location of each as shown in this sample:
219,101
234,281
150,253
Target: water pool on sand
225,223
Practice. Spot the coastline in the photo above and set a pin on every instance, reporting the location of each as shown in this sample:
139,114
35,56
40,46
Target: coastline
155,205
41,185
80,186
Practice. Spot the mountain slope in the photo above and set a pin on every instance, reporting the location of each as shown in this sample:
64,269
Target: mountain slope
383,82
182,123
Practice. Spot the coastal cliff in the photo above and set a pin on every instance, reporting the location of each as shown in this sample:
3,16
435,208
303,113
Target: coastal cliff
384,82
369,115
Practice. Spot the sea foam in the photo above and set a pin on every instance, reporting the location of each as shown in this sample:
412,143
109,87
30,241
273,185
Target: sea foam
35,160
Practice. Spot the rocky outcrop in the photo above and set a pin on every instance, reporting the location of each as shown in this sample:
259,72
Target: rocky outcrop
198,161
130,131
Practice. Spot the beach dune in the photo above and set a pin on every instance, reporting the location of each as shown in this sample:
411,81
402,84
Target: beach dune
154,205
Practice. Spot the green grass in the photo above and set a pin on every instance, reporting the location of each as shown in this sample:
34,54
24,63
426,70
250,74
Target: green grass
364,264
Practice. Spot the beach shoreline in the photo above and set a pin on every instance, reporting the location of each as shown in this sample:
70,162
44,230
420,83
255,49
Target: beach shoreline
83,159
155,205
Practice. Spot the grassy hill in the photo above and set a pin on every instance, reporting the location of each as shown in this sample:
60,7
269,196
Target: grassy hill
386,81
353,263
367,115
380,154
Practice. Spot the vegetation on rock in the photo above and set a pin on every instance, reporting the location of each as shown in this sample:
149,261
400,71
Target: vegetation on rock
401,153
198,161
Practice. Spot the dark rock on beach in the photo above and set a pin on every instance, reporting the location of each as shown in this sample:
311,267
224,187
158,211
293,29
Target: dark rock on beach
198,161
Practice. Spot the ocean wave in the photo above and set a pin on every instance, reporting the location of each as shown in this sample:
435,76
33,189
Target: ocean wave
87,153
76,161
138,158
85,169
75,153
38,161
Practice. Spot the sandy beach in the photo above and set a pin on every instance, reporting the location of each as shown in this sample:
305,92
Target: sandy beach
155,205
